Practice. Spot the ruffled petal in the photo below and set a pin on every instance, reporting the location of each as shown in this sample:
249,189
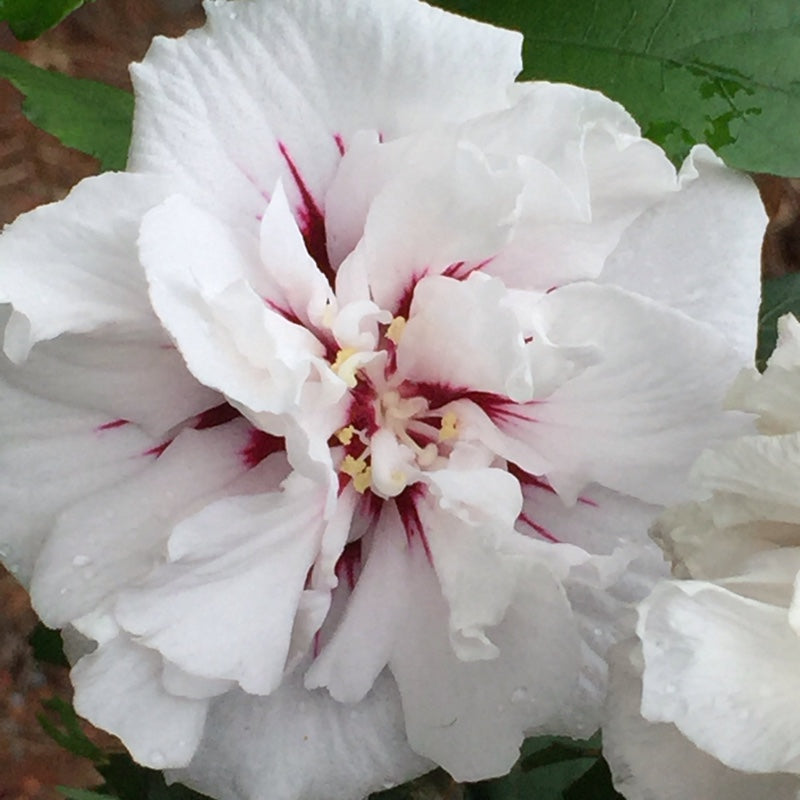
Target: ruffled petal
229,337
300,743
471,716
479,347
588,174
113,537
717,283
254,60
39,442
238,553
73,267
654,761
118,688
443,208
636,420
702,646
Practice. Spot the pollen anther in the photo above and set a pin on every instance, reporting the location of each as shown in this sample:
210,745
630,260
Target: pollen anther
449,427
345,435
346,371
395,330
363,480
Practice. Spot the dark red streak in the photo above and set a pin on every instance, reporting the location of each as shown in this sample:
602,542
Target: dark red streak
312,221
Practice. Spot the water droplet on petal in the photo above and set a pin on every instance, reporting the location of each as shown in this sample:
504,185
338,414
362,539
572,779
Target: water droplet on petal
156,759
519,695
81,561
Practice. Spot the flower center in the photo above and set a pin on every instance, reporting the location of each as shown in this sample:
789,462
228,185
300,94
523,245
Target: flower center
393,434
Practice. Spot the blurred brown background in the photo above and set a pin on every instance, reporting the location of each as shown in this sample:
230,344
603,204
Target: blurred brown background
98,42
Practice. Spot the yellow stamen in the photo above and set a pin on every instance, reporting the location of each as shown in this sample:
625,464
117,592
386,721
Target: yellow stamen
363,480
449,427
395,330
348,375
345,435
353,466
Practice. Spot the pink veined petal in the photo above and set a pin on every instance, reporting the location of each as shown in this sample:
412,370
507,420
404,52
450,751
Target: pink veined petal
141,380
118,687
722,291
239,553
366,635
636,420
73,266
439,207
114,537
302,290
230,338
254,60
307,745
479,347
43,474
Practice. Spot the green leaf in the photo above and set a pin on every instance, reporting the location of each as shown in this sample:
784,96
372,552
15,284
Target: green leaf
47,646
725,72
30,18
127,780
89,116
548,767
83,794
64,727
594,784
779,296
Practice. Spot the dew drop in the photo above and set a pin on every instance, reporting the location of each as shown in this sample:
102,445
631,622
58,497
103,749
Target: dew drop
670,688
81,561
156,759
519,695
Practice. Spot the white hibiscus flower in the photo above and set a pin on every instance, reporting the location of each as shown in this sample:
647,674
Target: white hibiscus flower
334,425
706,703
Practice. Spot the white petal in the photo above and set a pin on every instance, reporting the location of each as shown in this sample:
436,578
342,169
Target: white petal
73,266
301,745
52,455
471,716
465,535
118,688
773,395
442,206
762,471
588,175
711,270
636,420
302,290
478,344
351,661
211,106
702,647
116,536
239,553
230,339
126,378
654,761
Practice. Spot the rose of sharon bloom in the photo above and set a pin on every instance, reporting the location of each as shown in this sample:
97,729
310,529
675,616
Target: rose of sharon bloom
332,429
706,704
